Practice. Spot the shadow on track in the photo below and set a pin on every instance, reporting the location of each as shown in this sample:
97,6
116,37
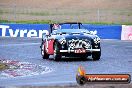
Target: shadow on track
71,60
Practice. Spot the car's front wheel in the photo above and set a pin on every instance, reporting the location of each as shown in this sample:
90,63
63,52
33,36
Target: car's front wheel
96,55
43,52
57,55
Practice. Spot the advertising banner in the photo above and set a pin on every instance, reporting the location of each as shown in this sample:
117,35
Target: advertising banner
23,30
36,30
106,31
126,32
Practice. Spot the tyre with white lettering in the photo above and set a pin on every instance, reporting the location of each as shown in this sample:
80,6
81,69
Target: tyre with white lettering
43,52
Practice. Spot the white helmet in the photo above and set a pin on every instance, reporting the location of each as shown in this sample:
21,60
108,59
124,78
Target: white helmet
56,26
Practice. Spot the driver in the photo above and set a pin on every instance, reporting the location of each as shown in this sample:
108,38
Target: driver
56,26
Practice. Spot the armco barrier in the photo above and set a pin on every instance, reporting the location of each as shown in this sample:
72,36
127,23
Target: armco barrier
36,30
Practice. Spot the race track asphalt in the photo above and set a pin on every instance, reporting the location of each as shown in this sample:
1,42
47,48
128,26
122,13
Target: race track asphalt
116,59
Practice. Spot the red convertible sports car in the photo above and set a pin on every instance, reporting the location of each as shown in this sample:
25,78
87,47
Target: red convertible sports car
70,39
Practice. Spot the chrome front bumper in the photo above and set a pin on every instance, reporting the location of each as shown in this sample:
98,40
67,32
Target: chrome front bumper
87,50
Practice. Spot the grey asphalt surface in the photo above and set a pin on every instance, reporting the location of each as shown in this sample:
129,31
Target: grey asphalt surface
116,59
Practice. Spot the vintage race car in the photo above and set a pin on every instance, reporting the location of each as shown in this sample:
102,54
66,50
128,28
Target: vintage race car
70,39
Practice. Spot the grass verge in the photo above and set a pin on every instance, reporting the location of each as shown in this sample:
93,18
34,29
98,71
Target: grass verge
50,21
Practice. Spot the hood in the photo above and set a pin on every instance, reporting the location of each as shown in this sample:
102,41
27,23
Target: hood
76,36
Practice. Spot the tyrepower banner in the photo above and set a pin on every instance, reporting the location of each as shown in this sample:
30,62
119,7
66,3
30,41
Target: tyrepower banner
103,31
23,30
126,32
36,30
106,31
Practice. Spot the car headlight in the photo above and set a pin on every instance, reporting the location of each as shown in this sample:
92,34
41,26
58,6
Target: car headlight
96,40
62,41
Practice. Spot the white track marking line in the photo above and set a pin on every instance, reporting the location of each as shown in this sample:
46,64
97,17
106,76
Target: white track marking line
20,44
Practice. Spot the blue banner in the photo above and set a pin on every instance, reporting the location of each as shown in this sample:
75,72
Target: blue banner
36,30
106,31
23,30
103,31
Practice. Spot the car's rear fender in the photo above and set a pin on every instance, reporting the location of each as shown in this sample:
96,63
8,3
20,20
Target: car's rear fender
49,46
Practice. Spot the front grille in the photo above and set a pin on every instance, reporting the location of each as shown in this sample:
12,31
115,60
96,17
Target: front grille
75,44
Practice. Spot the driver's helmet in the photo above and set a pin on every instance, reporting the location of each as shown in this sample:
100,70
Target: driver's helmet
56,26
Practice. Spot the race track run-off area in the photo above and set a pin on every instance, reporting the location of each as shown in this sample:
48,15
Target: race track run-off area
28,67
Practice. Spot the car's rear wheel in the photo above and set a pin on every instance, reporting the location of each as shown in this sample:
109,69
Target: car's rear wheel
57,55
43,52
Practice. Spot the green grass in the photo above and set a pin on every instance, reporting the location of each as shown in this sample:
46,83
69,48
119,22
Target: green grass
50,21
28,21
4,21
109,23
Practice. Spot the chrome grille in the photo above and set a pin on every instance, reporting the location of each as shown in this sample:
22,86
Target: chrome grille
74,44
